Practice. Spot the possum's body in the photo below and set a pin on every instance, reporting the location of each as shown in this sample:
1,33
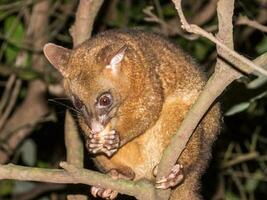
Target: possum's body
156,86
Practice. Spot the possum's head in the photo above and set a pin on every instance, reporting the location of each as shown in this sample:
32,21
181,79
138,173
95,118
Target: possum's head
110,82
94,79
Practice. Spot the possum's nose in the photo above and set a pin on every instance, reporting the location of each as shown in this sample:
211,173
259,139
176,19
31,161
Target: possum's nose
96,126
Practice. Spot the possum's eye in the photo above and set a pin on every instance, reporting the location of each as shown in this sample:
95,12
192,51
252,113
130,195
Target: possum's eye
105,100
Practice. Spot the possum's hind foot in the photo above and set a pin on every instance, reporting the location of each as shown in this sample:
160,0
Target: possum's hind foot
174,178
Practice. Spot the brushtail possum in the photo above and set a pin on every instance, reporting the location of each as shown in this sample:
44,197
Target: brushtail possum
132,90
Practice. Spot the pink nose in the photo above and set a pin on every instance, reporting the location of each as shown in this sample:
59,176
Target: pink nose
96,126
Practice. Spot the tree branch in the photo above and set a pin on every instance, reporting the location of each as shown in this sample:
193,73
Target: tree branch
75,175
191,28
206,13
74,148
85,17
73,142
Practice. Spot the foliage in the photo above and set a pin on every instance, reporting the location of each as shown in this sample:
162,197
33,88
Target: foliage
244,104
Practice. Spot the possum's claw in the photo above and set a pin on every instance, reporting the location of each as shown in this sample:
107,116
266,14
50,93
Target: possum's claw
174,178
111,141
103,193
108,193
107,142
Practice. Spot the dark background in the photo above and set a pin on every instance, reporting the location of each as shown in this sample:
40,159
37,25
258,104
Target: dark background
238,168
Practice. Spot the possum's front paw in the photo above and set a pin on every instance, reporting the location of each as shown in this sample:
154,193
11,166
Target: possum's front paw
174,178
107,142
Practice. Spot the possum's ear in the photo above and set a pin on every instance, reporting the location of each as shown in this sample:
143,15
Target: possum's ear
116,59
58,56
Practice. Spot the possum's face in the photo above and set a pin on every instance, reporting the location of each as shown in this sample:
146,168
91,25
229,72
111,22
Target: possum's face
96,110
95,81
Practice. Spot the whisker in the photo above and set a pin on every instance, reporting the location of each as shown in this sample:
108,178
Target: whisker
61,98
65,105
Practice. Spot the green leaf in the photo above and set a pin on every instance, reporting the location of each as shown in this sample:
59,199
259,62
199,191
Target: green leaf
237,108
251,185
253,182
2,13
262,46
260,96
28,75
44,198
258,82
231,196
28,152
11,53
22,186
200,51
169,11
6,187
14,30
42,164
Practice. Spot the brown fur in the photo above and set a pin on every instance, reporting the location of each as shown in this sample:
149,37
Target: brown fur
156,86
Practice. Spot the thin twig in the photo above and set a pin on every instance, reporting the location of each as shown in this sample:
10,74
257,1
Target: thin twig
16,5
239,185
151,17
11,103
7,91
191,28
205,14
243,20
251,176
62,19
239,159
